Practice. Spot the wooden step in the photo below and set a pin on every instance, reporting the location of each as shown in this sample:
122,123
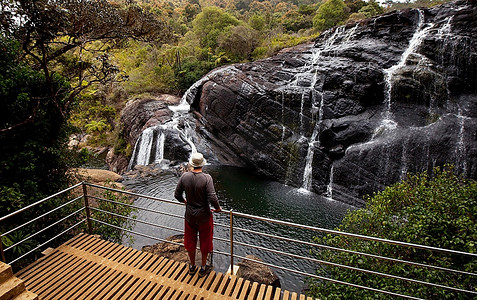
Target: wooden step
5,272
11,288
26,295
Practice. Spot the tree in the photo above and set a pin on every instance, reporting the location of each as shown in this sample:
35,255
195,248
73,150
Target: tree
438,211
49,29
329,14
239,41
210,24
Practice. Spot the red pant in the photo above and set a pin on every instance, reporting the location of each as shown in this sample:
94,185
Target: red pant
206,233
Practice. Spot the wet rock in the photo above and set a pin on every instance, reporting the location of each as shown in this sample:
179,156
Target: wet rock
256,272
172,251
326,103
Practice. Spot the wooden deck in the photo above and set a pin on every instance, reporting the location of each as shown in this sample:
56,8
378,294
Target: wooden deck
87,267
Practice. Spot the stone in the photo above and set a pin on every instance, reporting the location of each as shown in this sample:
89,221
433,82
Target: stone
256,272
365,112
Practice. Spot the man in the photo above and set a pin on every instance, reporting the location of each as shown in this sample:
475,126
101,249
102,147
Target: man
200,193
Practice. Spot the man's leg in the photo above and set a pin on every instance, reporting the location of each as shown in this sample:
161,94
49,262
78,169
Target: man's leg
206,232
190,243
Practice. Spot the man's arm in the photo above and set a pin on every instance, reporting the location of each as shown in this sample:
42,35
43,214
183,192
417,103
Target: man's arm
178,193
212,195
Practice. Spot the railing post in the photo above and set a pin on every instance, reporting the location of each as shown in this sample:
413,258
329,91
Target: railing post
1,250
231,242
86,206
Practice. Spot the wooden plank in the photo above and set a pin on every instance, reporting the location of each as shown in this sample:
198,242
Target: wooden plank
57,287
261,292
90,244
90,268
302,297
244,292
238,287
133,288
151,263
113,276
230,286
165,268
269,293
294,296
223,284
278,293
101,274
112,289
206,281
127,285
78,239
286,295
35,283
146,292
215,284
170,293
46,263
69,281
156,290
253,291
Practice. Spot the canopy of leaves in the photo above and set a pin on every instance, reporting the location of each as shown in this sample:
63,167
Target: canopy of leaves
438,211
329,14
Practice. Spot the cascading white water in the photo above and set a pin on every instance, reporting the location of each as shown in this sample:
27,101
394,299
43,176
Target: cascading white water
283,116
421,32
142,149
329,188
460,151
339,32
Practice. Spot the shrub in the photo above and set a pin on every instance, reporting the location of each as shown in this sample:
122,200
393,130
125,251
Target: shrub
437,211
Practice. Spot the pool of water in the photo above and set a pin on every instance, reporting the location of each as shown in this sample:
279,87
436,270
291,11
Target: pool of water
247,193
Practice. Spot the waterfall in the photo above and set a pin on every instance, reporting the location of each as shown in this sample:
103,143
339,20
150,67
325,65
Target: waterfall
283,116
416,40
339,32
460,151
143,148
329,188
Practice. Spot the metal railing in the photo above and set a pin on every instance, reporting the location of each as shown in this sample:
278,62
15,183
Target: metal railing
87,215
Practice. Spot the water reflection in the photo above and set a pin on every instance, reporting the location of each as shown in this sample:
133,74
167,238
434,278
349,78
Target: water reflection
244,192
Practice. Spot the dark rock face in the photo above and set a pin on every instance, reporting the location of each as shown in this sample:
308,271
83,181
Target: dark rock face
142,113
357,109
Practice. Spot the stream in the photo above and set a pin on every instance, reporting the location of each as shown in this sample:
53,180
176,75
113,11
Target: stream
246,193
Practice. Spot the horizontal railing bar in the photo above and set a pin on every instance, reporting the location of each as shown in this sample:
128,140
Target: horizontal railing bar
135,232
39,246
435,285
134,194
137,220
39,202
44,229
329,279
148,236
359,236
411,263
137,207
43,215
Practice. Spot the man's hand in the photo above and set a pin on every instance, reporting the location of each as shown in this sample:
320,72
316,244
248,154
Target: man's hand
217,210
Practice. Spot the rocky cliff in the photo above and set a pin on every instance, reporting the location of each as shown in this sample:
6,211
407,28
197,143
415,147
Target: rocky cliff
356,110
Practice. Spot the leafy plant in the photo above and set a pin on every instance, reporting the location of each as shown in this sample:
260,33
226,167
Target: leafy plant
107,232
438,210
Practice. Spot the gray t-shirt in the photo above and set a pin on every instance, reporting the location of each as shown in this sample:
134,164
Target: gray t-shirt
200,194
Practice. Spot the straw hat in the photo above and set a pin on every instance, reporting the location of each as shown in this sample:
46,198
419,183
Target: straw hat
197,160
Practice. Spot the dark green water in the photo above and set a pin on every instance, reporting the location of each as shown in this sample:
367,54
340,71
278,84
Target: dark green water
246,193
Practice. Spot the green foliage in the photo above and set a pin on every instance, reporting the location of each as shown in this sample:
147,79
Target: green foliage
32,130
113,234
438,211
329,14
210,24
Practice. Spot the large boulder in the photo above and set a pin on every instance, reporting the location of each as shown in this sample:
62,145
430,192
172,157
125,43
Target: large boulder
356,110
